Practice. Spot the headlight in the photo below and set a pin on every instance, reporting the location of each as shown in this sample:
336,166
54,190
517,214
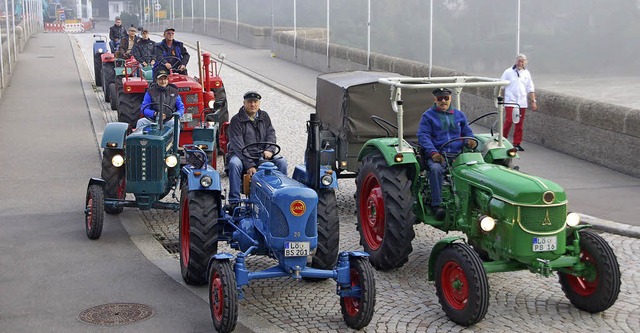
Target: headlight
487,223
326,180
206,181
203,146
573,219
117,160
211,102
512,152
398,158
100,50
171,161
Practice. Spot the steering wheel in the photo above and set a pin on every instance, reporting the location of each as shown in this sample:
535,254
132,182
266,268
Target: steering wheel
245,150
173,60
165,107
464,138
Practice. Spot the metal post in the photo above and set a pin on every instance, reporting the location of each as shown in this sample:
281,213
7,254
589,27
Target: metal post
6,20
295,31
430,37
272,25
13,23
328,31
237,26
368,34
192,18
219,20
1,66
518,31
182,13
204,17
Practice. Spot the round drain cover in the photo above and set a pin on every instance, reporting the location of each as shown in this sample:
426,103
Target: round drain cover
114,314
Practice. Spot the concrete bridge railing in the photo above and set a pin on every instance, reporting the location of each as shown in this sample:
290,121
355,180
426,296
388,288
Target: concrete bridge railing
602,133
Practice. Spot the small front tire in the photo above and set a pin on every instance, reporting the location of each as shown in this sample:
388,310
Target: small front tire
94,211
223,296
358,311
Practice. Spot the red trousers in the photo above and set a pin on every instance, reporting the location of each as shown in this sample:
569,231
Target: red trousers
517,131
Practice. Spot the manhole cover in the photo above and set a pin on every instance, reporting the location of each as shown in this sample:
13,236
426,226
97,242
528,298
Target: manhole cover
114,314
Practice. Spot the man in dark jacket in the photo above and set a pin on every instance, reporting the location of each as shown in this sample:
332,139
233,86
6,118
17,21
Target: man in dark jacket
127,44
160,93
170,53
116,32
438,125
143,50
250,125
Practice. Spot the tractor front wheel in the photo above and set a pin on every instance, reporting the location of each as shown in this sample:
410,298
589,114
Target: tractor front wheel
326,254
461,284
93,213
598,286
97,69
114,177
357,311
129,108
113,95
198,231
108,75
223,296
384,208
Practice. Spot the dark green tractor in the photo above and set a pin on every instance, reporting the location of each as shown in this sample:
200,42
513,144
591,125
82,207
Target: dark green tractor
510,220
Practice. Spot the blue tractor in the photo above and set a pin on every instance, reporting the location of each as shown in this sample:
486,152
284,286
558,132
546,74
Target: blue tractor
279,218
99,48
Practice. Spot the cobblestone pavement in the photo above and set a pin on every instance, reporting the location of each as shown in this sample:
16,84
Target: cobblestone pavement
406,302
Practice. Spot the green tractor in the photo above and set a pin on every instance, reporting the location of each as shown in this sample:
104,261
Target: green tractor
510,220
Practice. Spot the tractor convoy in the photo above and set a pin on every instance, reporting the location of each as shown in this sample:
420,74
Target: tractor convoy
365,128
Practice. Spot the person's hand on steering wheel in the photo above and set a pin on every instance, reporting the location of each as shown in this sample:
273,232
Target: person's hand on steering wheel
267,154
472,144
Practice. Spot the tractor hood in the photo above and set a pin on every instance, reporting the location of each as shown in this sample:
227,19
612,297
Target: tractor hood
510,185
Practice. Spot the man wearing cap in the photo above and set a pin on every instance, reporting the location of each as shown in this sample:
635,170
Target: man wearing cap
170,53
160,93
250,125
438,125
116,33
143,50
517,97
127,44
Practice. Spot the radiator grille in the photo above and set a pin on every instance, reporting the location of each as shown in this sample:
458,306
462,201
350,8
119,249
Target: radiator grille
192,98
279,225
311,230
542,219
144,163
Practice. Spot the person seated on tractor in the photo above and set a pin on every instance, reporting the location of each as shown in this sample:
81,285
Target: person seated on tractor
143,50
439,124
116,33
250,125
161,99
170,53
127,44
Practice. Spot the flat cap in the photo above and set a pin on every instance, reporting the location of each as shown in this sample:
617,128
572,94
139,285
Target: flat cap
252,95
169,29
441,92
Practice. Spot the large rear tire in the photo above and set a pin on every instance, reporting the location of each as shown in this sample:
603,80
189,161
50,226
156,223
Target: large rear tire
461,284
198,231
115,186
358,311
326,255
384,208
223,296
114,90
94,211
129,108
97,69
598,289
108,75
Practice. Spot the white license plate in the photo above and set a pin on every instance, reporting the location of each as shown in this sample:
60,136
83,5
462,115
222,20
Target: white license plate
296,249
543,244
187,117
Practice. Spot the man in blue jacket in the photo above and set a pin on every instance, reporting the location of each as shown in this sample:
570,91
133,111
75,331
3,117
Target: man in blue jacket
438,125
161,100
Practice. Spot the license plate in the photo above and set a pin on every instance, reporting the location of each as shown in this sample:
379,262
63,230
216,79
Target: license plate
187,117
296,249
543,244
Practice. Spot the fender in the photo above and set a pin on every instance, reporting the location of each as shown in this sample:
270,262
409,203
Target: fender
436,251
114,135
301,175
193,177
97,181
388,148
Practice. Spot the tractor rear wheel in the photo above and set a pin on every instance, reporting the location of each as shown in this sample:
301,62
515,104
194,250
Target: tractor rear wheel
93,213
358,311
97,69
328,231
384,208
198,231
461,284
114,177
598,287
223,296
129,108
108,75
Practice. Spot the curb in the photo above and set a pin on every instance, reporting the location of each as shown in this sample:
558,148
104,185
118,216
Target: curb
611,226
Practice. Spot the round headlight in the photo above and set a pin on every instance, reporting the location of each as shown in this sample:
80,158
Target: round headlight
573,219
487,223
326,180
117,160
100,50
171,161
211,102
206,181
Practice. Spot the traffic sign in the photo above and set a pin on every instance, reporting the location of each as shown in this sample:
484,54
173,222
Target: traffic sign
157,6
